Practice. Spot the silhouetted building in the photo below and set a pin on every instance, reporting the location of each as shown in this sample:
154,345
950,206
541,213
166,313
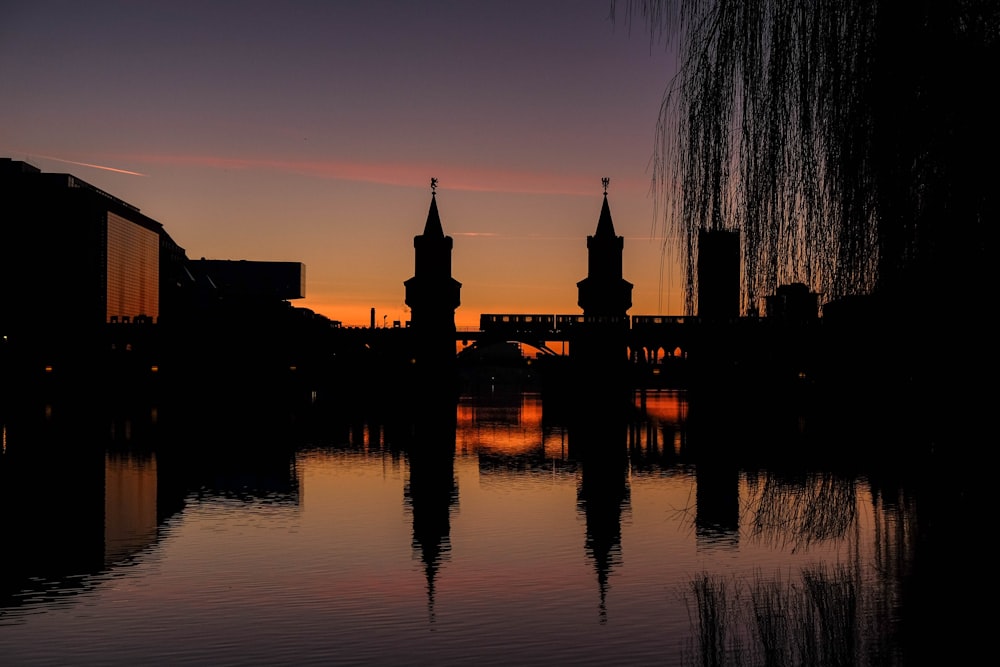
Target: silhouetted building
599,349
718,274
254,280
792,303
432,294
604,295
73,260
93,291
75,254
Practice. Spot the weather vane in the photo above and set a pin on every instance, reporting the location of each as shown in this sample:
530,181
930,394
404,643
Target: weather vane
604,182
434,184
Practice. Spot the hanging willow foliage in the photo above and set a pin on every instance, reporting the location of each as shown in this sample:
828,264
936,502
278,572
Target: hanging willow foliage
851,143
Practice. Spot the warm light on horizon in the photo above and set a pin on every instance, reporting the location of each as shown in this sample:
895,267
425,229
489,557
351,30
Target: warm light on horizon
353,314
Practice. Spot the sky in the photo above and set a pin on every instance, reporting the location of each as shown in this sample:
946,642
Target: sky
309,131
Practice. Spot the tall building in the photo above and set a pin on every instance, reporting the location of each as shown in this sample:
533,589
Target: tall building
604,295
91,289
75,254
73,260
599,348
718,275
432,294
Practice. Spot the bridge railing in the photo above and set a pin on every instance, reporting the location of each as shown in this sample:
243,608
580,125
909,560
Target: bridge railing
534,324
653,321
543,324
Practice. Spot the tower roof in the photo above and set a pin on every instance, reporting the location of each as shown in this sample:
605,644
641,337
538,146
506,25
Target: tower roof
605,228
433,226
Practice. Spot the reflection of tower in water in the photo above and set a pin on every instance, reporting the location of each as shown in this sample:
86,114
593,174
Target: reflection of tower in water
600,445
431,490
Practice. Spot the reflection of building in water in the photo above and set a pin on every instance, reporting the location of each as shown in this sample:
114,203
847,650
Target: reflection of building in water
130,489
603,492
52,492
717,498
508,428
602,496
432,490
431,493
658,437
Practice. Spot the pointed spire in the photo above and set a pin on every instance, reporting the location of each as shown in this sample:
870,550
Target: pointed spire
433,226
605,228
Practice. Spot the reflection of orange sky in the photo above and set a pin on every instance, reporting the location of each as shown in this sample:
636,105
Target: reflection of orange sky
667,406
508,429
528,351
515,428
666,414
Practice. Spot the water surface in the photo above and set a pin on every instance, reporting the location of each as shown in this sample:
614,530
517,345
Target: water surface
498,532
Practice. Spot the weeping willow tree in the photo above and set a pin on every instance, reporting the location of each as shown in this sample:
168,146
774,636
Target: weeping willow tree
851,143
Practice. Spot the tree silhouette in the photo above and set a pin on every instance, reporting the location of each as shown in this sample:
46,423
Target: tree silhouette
852,143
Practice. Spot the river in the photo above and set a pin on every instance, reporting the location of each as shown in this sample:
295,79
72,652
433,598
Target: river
500,531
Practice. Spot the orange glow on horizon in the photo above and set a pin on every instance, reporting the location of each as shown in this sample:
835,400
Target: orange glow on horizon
353,314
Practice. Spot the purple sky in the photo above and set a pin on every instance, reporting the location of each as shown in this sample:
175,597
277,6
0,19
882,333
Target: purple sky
309,132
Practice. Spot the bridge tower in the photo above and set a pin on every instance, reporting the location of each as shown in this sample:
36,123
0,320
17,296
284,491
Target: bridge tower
599,349
432,294
604,295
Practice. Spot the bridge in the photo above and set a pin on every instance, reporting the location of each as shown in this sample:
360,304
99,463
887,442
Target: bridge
662,349
648,337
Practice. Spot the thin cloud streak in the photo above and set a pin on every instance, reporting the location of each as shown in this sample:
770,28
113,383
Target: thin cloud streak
470,179
92,166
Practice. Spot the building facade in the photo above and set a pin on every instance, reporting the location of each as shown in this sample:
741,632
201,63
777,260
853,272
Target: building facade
73,261
91,288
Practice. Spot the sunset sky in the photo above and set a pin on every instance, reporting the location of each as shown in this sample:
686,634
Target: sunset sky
309,132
